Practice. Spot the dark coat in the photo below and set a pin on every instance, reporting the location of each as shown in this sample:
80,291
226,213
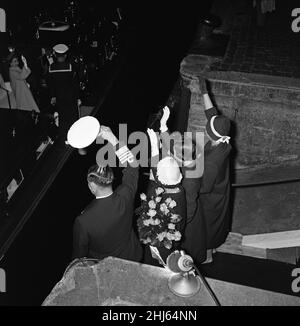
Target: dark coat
194,241
215,193
194,236
62,82
179,209
105,228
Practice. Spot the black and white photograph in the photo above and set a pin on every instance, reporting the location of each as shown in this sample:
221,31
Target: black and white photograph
150,156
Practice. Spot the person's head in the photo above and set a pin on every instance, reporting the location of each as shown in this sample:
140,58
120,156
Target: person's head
186,151
14,61
60,52
60,57
217,129
168,172
100,180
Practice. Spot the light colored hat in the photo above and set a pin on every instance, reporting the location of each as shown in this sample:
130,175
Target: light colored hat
218,128
60,48
168,172
83,132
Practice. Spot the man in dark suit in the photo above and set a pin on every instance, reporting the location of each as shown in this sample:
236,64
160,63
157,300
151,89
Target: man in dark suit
105,228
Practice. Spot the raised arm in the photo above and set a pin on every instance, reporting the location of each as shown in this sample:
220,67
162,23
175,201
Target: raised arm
129,184
25,70
164,131
20,74
154,141
209,108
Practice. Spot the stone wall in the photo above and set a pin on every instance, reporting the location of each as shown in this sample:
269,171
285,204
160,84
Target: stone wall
117,282
265,112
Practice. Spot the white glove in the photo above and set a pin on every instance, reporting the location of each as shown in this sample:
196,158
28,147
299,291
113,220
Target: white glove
164,119
24,61
153,142
107,134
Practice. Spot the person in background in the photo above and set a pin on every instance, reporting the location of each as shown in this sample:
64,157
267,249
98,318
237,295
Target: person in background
64,91
105,228
19,86
7,99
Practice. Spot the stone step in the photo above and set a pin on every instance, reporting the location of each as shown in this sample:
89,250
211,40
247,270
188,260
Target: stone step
261,246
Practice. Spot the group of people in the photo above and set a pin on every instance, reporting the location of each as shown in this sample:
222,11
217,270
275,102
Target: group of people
61,82
193,207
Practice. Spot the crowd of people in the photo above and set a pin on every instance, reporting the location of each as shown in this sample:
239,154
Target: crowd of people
28,50
62,87
179,210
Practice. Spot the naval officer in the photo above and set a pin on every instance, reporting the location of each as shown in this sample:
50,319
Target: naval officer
64,90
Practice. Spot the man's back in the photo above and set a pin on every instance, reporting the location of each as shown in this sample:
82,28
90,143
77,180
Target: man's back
105,227
61,80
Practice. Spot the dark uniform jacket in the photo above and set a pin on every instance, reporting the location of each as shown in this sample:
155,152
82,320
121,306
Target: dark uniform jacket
105,228
64,86
62,81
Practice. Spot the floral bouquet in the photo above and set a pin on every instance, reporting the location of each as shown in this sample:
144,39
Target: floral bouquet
157,221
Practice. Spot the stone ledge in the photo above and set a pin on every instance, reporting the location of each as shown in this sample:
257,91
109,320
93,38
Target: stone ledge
264,111
117,282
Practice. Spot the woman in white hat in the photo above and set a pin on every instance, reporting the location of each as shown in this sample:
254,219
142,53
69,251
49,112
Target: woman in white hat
189,153
165,183
208,193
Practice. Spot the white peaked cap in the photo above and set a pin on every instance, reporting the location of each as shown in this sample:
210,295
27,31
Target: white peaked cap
60,48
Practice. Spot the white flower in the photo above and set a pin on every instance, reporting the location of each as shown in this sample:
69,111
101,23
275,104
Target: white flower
177,236
174,216
161,236
147,222
152,204
152,222
157,221
143,196
171,226
170,236
172,204
159,191
158,199
163,207
168,200
151,213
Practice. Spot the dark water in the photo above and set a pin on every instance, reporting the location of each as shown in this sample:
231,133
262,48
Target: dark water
37,259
